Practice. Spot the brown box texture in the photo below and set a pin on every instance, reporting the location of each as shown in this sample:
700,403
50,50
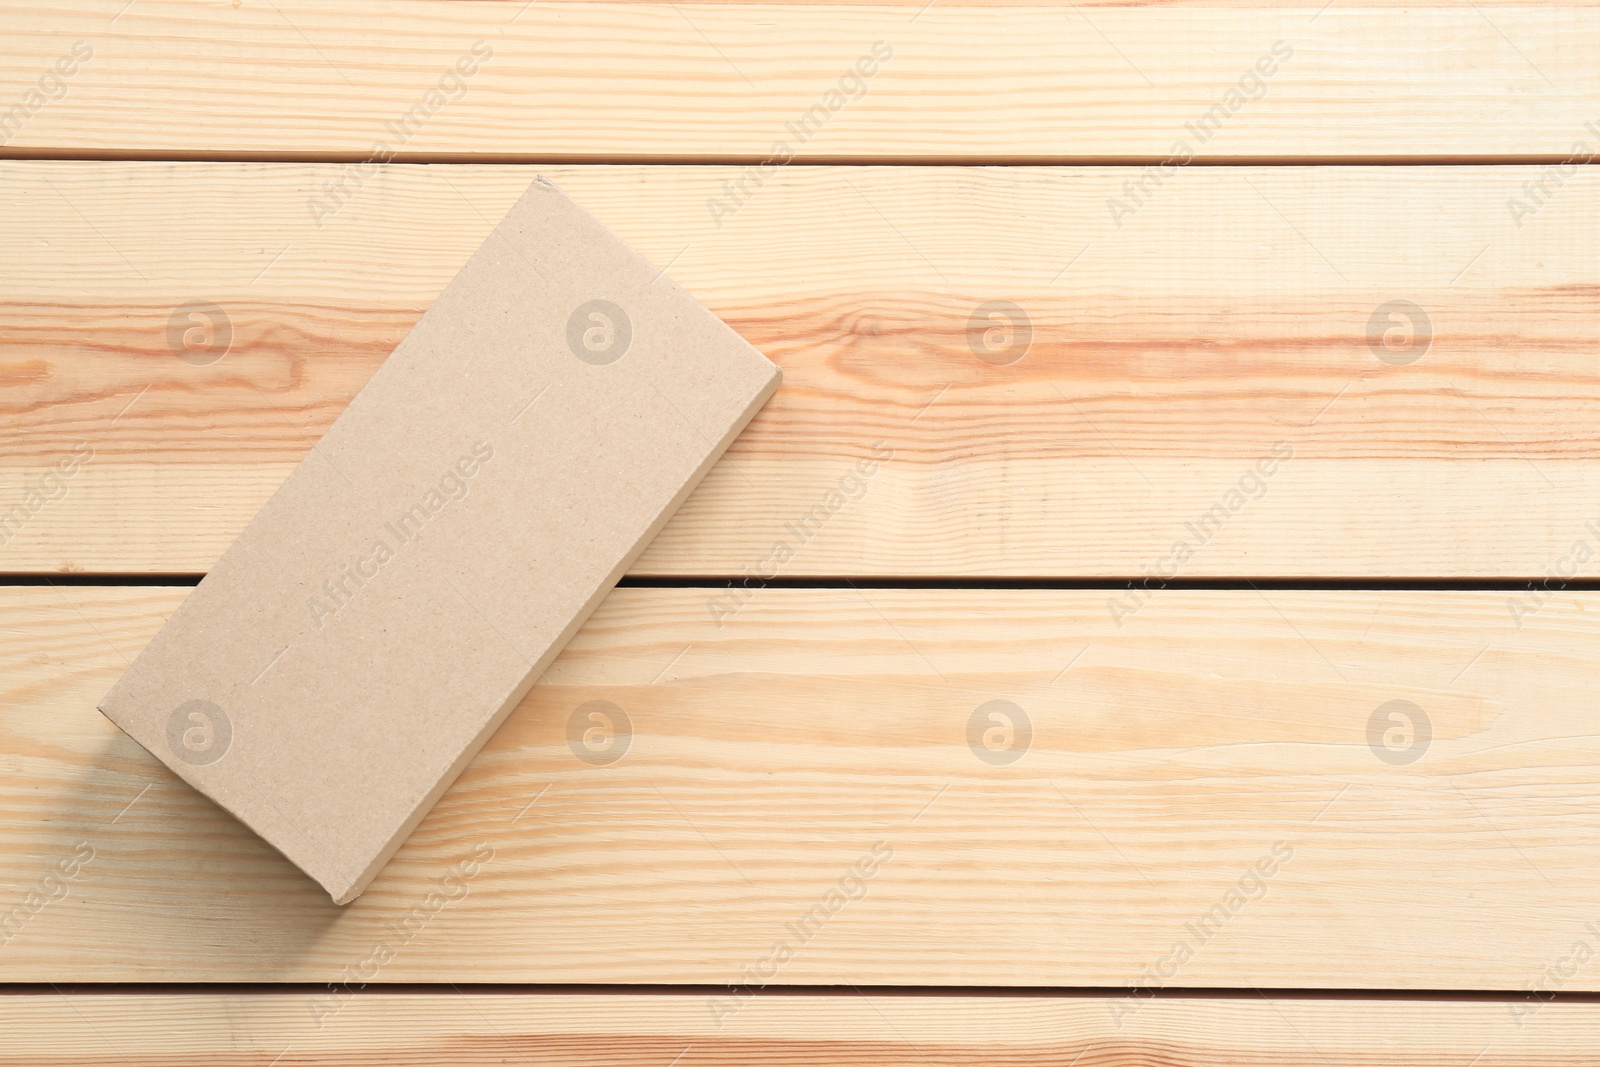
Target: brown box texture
416,573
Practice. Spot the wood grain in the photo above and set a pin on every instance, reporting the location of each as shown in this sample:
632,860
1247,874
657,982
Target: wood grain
1231,315
1211,752
390,1030
619,82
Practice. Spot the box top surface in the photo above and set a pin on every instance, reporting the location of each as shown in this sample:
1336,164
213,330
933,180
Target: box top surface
401,590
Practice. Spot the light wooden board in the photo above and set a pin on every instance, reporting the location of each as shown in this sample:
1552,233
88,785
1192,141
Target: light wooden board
369,1030
819,733
1228,317
642,81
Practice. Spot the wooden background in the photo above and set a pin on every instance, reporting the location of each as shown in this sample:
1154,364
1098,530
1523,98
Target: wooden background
1361,322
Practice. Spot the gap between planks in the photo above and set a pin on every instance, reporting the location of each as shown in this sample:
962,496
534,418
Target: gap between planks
541,159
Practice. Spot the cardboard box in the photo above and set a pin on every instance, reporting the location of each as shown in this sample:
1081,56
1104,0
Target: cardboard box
416,573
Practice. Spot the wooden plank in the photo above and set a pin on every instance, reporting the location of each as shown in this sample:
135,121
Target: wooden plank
1213,794
617,82
391,1030
1237,314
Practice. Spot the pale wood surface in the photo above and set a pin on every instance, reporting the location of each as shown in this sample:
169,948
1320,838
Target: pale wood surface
768,756
1229,314
780,740
378,1030
642,81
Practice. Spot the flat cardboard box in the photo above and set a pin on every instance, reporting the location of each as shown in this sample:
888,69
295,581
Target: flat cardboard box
414,576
